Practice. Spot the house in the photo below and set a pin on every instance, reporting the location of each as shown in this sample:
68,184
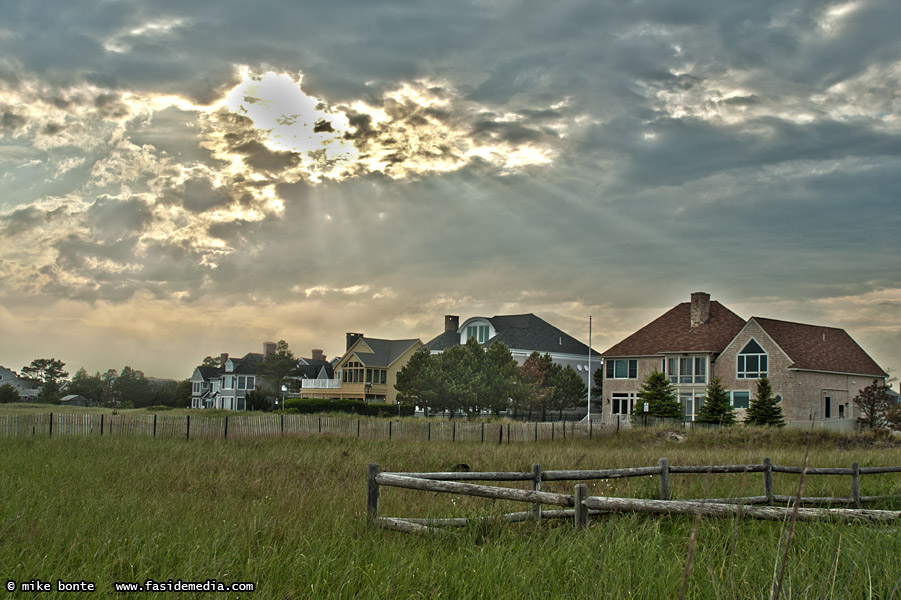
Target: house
816,371
226,386
522,334
368,369
28,389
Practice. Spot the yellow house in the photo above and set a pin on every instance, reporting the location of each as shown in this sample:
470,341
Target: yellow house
368,369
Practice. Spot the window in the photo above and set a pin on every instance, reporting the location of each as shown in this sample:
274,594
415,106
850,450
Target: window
354,372
752,362
622,369
841,411
741,399
622,403
691,369
246,382
195,388
827,412
228,382
691,403
479,332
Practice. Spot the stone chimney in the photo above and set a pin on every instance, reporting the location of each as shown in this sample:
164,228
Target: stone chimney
223,358
268,348
451,323
317,354
351,338
700,309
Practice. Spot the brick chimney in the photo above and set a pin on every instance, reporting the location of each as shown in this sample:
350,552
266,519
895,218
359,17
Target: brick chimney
268,348
317,354
700,308
451,323
223,358
351,338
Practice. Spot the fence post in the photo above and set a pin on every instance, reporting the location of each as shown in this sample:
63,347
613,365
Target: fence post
483,432
320,427
188,429
225,432
51,425
454,435
508,432
390,428
664,479
617,424
536,431
564,428
589,427
282,426
372,493
101,425
154,425
855,483
553,427
500,434
429,437
536,487
580,519
358,428
768,480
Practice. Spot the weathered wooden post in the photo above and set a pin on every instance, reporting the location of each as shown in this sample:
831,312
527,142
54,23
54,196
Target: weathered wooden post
552,430
282,430
508,432
188,428
500,434
664,479
320,426
536,487
768,481
855,483
483,432
224,429
430,432
51,425
372,494
154,425
358,428
580,520
454,434
101,425
390,429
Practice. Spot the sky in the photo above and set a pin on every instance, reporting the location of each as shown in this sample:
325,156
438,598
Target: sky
181,179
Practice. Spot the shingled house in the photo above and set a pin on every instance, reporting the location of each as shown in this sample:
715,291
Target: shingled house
368,369
815,370
523,334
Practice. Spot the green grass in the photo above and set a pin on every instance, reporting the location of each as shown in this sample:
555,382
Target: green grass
289,515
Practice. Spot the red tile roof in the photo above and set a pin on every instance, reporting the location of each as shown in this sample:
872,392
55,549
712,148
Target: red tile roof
672,333
817,348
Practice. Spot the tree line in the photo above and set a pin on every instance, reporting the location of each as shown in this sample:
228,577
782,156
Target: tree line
469,379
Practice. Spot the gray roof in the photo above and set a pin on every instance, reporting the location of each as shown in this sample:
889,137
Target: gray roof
521,332
384,352
248,364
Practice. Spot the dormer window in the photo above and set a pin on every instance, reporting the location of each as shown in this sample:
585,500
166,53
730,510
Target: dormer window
229,366
752,361
479,332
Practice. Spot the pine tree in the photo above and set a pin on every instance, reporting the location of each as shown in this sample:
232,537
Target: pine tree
660,395
716,409
764,409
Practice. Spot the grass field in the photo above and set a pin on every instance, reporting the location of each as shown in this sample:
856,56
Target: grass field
289,516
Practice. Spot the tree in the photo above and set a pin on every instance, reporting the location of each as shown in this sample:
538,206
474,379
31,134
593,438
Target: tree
502,381
536,371
873,402
597,390
764,408
660,395
278,366
182,397
568,389
50,374
259,400
416,383
8,394
211,361
716,409
89,386
131,389
893,417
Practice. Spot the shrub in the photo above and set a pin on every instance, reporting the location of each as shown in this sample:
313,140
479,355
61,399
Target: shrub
346,405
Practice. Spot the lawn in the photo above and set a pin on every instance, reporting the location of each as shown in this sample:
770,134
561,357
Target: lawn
289,516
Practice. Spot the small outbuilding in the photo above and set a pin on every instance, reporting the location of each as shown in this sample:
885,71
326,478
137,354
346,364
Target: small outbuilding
74,400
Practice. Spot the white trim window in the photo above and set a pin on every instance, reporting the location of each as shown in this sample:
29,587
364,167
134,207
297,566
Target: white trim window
228,382
479,332
691,404
622,368
741,399
751,361
246,382
195,388
686,369
622,403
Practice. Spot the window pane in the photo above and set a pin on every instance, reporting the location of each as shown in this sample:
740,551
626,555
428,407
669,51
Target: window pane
633,369
610,369
700,370
763,364
621,368
751,363
741,399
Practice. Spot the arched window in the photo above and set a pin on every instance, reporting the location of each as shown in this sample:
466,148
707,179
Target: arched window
752,361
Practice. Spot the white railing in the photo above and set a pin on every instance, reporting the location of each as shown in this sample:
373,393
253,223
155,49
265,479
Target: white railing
320,384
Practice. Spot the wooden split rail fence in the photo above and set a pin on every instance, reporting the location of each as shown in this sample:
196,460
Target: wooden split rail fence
271,425
579,504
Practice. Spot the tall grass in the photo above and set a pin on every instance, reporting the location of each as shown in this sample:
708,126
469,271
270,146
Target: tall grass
289,515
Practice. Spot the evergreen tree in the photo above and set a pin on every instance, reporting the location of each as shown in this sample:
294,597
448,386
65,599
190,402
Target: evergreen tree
502,380
660,395
717,409
764,409
8,394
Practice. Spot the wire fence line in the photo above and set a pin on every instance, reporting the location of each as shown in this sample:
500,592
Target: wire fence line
273,425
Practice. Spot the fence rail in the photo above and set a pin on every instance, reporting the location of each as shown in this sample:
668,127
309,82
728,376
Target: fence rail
583,505
271,425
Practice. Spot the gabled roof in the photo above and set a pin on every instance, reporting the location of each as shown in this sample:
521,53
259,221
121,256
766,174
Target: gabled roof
248,364
819,348
672,332
210,373
312,368
521,332
384,352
